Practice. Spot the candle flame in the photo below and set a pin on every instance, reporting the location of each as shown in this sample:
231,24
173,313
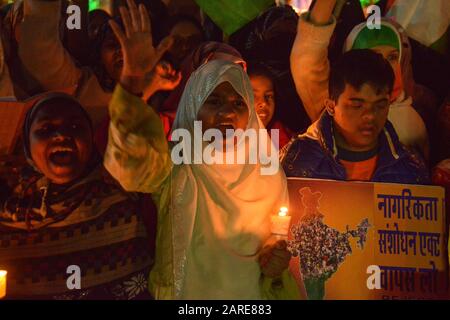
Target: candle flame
3,273
283,212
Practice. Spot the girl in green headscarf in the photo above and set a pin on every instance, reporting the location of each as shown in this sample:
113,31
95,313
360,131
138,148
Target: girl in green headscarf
386,41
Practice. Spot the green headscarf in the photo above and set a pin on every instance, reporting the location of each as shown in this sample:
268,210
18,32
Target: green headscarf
366,3
361,37
368,38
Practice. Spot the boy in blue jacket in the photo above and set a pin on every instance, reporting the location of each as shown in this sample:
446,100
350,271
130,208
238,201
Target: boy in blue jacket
353,140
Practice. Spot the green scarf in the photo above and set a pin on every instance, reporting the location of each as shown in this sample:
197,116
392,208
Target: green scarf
385,36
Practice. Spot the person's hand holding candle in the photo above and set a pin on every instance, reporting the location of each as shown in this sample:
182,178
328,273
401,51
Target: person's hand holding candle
274,259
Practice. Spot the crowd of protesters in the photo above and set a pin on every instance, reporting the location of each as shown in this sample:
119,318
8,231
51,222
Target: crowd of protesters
92,183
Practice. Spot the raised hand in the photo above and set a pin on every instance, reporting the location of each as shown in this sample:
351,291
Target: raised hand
322,11
136,41
162,78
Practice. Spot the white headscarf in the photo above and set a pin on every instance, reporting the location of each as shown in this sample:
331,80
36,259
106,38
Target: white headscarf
221,213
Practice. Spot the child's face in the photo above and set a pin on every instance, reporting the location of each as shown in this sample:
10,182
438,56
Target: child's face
264,98
391,54
186,38
359,117
60,142
224,109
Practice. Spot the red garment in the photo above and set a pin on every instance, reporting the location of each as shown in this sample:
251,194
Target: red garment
389,4
284,134
167,119
360,170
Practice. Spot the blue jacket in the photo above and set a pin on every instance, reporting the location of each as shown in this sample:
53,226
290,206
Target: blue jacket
314,155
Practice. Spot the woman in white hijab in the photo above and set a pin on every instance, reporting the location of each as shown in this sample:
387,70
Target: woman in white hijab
213,219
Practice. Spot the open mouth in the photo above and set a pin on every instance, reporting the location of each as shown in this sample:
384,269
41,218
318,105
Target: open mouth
368,131
263,115
62,156
225,126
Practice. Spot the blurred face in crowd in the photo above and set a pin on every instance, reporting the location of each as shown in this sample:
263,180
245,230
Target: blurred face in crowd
224,109
359,116
264,97
111,56
61,142
392,55
186,37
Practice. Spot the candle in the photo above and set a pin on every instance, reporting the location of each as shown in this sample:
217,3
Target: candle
280,223
2,283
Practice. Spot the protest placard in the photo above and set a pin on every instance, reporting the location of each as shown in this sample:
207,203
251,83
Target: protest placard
356,240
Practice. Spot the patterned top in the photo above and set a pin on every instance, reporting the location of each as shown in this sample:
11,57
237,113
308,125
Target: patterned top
92,224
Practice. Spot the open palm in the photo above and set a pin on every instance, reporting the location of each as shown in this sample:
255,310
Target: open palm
136,41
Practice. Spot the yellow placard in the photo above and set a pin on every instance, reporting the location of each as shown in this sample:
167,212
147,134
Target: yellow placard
357,240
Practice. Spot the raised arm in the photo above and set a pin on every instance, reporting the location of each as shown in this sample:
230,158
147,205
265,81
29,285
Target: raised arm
137,154
309,56
40,47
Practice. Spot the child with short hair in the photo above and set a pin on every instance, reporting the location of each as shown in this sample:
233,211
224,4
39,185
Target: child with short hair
310,68
353,140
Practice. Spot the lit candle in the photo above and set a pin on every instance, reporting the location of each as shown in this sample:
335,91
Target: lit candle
280,223
2,283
